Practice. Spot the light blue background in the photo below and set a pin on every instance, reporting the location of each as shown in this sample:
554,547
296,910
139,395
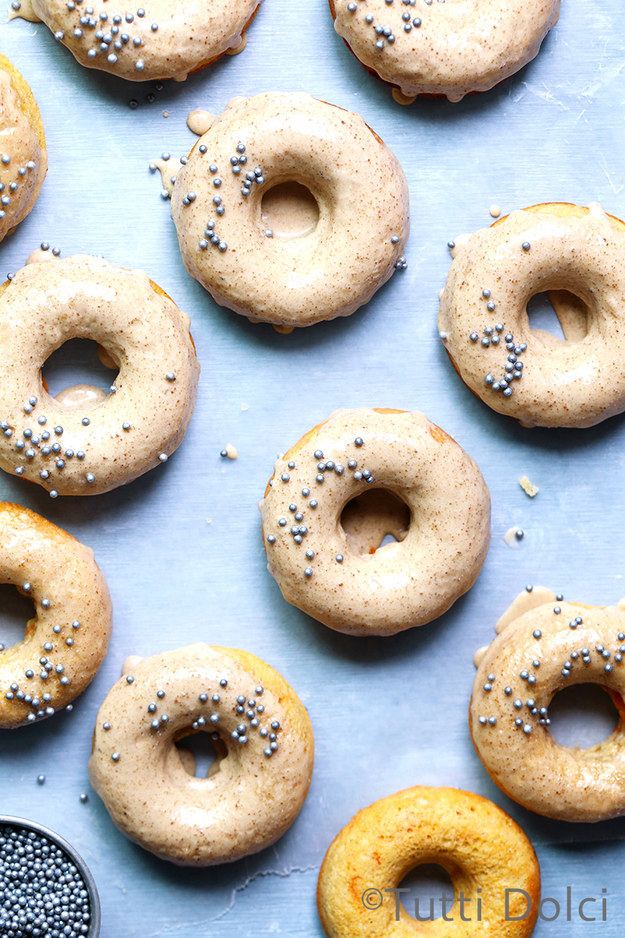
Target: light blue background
387,714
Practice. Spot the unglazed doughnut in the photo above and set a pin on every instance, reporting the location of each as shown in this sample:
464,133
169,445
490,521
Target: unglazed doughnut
23,156
527,373
485,853
294,276
443,48
402,584
66,641
536,654
76,444
251,796
163,39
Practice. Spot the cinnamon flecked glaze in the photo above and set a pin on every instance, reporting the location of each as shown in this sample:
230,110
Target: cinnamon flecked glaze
66,640
23,156
88,447
161,39
448,49
484,851
555,645
361,193
403,584
252,794
575,253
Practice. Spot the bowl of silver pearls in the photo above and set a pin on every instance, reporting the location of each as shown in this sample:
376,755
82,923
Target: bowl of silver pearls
46,888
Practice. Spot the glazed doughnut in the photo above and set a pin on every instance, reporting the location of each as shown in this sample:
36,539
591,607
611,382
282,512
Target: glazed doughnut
301,272
485,328
164,39
444,49
23,156
400,585
82,444
66,641
260,728
482,849
537,653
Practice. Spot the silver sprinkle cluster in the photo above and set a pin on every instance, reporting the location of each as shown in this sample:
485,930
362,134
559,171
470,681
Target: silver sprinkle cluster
47,669
108,35
11,180
299,531
384,35
525,712
250,710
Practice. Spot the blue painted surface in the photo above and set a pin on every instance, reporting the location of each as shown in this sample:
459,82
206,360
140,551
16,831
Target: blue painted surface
387,714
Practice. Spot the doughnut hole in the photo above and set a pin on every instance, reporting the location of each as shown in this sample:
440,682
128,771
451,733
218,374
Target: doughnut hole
79,374
582,716
289,210
199,754
430,893
374,519
16,611
560,313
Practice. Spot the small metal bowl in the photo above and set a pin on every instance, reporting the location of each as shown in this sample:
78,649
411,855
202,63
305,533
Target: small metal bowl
77,860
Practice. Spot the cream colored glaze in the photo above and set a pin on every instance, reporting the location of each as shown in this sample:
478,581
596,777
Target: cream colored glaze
356,181
553,780
231,451
289,211
199,121
81,397
86,297
130,664
18,141
40,257
404,99
524,602
478,657
401,585
189,36
510,537
369,518
247,803
62,570
461,46
484,851
238,45
563,382
168,170
495,211
25,12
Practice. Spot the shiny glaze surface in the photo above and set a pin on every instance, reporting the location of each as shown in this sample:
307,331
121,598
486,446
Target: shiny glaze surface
248,801
357,182
66,586
569,784
402,584
188,35
581,251
144,417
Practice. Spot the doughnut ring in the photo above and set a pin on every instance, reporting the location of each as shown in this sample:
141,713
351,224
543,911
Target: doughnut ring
535,655
23,156
486,854
88,444
527,373
163,40
66,641
399,585
323,266
451,49
261,731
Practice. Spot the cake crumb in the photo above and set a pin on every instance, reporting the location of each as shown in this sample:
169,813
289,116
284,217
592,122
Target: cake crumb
495,211
245,406
230,452
528,487
514,536
209,521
